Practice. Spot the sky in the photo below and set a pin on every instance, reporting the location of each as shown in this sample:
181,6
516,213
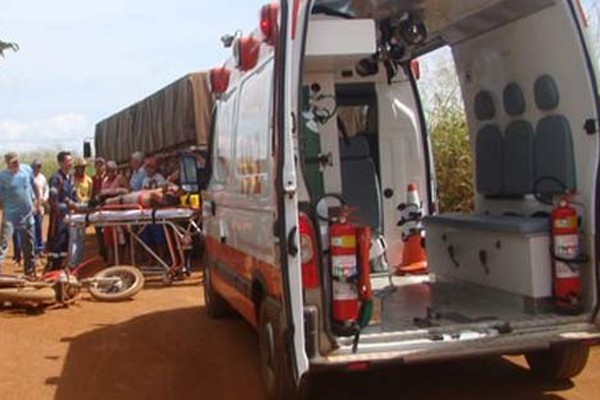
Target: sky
80,61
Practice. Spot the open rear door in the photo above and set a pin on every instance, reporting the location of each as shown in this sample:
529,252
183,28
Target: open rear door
287,77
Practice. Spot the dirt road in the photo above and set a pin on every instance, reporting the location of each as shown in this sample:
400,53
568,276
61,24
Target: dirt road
162,345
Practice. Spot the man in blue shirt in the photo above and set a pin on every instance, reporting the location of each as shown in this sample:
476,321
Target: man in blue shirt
17,195
62,199
138,172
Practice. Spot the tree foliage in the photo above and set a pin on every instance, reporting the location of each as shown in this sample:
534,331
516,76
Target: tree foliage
449,140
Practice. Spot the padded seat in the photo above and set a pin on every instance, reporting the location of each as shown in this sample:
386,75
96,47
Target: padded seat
554,155
554,152
489,160
488,223
360,184
518,165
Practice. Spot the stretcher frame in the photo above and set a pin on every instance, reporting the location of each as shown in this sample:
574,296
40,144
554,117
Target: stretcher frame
179,225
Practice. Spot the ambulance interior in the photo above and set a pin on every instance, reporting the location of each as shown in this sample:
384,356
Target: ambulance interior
527,96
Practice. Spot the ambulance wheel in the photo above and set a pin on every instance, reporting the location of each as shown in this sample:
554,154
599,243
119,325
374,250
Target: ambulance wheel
559,363
216,306
275,367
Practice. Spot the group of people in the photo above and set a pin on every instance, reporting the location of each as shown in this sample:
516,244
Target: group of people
25,194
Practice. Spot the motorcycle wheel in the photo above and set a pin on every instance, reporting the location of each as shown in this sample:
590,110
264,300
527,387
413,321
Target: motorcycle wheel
130,282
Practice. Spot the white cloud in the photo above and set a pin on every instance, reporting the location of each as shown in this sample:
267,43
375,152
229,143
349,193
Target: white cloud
64,131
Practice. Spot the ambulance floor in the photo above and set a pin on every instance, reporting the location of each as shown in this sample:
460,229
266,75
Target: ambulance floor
409,303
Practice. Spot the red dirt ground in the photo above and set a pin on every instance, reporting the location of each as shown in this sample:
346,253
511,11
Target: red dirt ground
162,345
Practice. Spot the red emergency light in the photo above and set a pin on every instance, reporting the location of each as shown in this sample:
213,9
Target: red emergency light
415,67
246,50
269,14
219,80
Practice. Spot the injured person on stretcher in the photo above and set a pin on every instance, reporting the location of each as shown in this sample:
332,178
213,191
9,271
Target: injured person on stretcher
167,195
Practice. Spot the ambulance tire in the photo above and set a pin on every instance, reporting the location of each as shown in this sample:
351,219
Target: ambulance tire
215,304
275,367
560,363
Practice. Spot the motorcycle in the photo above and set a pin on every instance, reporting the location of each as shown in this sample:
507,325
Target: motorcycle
62,287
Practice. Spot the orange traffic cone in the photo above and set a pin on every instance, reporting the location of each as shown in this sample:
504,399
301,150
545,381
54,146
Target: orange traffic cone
414,258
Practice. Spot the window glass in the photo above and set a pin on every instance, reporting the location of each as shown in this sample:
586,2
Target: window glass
253,140
224,129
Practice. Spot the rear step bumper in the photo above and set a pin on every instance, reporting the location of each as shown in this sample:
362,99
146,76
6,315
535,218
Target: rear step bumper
422,347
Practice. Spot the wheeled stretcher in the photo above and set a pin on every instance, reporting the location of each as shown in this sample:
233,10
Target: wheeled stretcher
179,224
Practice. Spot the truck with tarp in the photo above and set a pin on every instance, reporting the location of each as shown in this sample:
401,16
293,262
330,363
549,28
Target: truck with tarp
175,118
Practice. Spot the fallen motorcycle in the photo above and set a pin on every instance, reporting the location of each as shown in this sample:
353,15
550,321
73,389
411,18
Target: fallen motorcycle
63,286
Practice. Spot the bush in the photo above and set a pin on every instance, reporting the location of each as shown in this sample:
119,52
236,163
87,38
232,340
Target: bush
449,139
453,164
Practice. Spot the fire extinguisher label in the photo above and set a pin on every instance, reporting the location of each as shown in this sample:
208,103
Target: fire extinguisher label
566,247
565,271
348,241
562,223
344,266
344,291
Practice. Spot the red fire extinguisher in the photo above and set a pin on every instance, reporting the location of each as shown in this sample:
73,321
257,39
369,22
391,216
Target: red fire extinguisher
344,272
567,256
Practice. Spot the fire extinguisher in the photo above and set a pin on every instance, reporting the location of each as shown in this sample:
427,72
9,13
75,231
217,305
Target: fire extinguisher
344,273
567,256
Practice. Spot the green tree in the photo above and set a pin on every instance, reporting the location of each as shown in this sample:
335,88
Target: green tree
449,137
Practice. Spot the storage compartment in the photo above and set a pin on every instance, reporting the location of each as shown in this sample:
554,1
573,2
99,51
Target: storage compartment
509,254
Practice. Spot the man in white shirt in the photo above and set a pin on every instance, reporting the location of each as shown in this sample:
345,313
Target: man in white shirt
40,182
153,179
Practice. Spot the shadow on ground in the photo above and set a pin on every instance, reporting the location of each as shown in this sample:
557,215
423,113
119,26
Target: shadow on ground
178,354
493,378
183,354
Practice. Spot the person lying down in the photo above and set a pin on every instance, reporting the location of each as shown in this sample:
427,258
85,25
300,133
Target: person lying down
161,197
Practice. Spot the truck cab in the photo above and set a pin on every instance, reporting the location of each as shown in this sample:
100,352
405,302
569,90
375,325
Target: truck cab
323,188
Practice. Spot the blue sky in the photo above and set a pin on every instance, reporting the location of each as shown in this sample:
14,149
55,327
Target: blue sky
81,61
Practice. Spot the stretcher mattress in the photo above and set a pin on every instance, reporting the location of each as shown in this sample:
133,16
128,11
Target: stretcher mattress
136,215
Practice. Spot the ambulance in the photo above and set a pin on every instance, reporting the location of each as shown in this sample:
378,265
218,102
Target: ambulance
320,216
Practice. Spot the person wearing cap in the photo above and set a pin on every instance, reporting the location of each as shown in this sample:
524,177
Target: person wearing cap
114,184
83,183
99,176
153,235
153,179
138,172
41,185
62,199
17,195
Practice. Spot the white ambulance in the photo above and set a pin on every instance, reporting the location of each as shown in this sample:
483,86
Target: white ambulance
320,155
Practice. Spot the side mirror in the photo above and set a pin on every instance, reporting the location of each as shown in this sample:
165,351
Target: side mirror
87,149
192,177
188,173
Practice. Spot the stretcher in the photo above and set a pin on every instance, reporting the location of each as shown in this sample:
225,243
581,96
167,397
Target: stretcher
127,224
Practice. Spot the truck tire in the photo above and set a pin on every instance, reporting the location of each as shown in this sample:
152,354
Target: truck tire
131,282
215,304
559,363
274,362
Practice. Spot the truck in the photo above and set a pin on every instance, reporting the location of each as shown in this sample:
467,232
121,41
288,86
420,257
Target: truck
176,118
320,153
